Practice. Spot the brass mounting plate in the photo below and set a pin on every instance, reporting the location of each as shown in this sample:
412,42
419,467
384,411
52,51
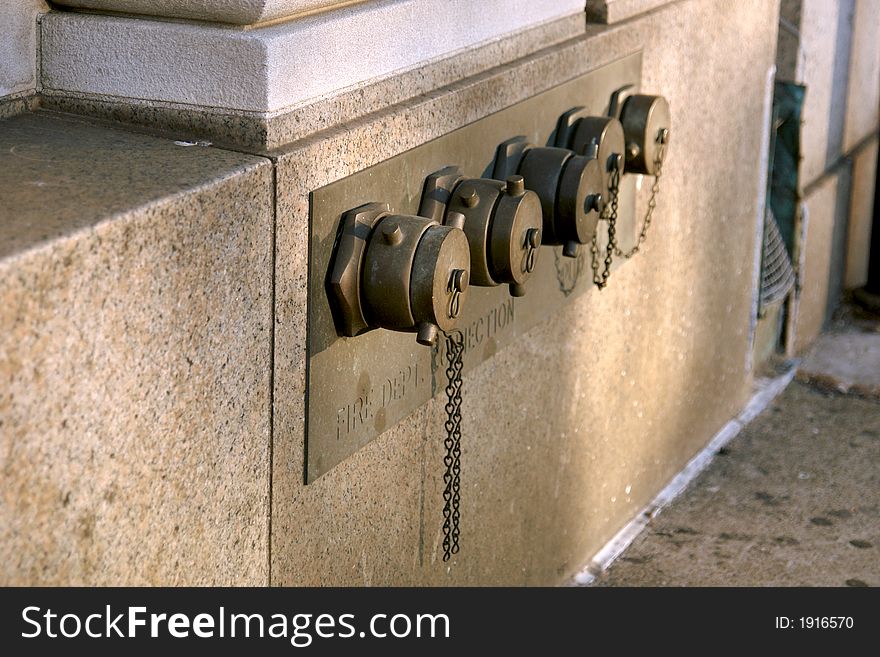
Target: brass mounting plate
358,387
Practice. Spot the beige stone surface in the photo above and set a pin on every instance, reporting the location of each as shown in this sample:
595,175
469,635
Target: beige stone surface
260,131
135,288
573,428
863,97
17,104
18,46
861,215
826,31
826,206
789,57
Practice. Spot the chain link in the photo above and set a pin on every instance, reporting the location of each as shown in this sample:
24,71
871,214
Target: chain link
609,213
452,443
652,203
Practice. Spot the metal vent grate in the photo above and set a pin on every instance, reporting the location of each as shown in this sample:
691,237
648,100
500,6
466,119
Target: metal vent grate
777,275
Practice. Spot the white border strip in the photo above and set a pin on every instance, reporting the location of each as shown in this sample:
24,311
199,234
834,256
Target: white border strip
766,392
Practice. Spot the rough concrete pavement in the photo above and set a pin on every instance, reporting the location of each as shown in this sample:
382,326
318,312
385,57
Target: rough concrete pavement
793,500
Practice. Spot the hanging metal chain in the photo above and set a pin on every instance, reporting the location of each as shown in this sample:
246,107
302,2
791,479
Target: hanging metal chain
609,214
452,459
652,202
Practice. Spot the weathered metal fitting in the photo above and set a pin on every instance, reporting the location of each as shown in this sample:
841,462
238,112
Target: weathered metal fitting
646,122
393,271
345,275
563,181
497,220
601,137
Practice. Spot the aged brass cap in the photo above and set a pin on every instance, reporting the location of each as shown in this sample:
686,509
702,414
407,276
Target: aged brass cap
388,269
542,168
646,122
345,282
581,179
478,219
440,277
606,133
516,226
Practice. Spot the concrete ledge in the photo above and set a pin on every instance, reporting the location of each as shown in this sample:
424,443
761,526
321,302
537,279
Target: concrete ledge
269,130
135,282
18,104
236,12
272,68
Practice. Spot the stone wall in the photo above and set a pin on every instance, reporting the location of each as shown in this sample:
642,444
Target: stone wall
18,47
831,47
135,358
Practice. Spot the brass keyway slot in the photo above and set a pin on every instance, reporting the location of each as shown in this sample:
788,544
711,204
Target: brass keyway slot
398,272
569,186
502,221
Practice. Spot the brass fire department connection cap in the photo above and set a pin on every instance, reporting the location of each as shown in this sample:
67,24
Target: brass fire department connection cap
388,269
646,122
570,188
605,132
516,235
542,168
496,217
581,198
440,277
475,199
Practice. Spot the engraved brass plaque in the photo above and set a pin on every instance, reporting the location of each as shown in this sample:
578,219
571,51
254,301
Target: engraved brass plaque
359,387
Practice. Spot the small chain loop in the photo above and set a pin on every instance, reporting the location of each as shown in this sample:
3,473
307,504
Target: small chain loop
609,214
452,443
652,203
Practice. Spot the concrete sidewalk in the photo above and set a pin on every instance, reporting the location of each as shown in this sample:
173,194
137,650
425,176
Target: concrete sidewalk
793,500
